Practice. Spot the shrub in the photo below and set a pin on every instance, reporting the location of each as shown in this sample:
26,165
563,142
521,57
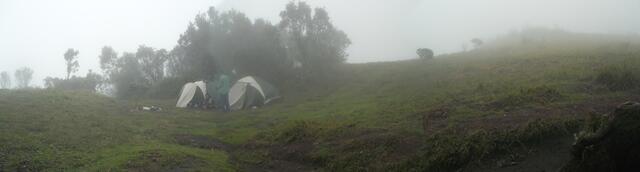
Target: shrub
617,78
298,131
166,88
539,95
451,151
88,83
425,53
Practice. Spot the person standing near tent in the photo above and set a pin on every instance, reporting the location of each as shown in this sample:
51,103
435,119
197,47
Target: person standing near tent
224,84
212,94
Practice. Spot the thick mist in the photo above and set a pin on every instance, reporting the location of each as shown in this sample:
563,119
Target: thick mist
391,30
36,33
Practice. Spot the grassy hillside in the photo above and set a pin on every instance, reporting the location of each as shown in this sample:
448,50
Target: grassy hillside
369,117
61,131
456,111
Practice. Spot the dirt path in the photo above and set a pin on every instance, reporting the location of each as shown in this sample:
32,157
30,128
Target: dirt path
278,165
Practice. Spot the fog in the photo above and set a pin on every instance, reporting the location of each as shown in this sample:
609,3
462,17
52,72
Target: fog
37,33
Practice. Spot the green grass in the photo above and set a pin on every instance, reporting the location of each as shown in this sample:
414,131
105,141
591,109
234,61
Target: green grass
368,118
159,157
60,131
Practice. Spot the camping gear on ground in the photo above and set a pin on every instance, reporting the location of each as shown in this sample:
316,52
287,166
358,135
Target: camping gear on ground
250,92
151,108
193,94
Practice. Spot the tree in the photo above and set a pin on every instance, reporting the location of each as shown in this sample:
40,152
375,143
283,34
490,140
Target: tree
264,55
476,42
152,62
128,78
195,46
311,39
176,65
71,57
5,80
108,57
425,53
221,42
23,77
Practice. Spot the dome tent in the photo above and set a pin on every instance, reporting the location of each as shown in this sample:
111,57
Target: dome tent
251,91
192,92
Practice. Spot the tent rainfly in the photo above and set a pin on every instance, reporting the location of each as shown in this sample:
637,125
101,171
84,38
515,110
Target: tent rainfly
192,92
250,92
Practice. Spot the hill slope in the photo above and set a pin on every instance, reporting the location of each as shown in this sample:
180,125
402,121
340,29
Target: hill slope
459,111
61,131
374,116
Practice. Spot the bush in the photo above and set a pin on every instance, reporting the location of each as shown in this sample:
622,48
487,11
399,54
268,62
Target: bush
425,53
166,88
617,78
88,83
451,151
298,131
539,95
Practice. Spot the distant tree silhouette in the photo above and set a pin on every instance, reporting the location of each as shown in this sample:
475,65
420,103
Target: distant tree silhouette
221,42
304,42
424,53
71,57
128,78
476,42
5,80
152,62
218,42
89,83
108,57
311,39
23,77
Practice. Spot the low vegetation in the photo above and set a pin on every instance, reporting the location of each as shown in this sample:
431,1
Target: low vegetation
491,102
618,78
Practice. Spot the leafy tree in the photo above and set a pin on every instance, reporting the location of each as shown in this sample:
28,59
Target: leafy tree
218,42
194,46
176,65
264,55
108,57
5,80
152,62
425,53
311,39
221,42
71,57
128,78
23,77
92,80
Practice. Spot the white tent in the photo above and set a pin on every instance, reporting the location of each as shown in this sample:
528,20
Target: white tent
189,91
251,91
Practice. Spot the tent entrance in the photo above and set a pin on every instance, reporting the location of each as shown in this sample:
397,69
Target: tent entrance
192,94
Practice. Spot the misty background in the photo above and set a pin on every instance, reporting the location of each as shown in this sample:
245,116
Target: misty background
36,33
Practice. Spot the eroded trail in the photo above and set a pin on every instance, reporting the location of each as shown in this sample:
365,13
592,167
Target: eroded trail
233,151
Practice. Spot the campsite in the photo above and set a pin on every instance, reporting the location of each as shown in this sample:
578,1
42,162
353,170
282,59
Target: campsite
236,93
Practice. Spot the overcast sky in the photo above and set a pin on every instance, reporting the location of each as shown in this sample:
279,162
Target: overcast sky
36,33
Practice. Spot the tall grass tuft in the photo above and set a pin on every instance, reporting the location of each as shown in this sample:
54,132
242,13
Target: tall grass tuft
617,78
